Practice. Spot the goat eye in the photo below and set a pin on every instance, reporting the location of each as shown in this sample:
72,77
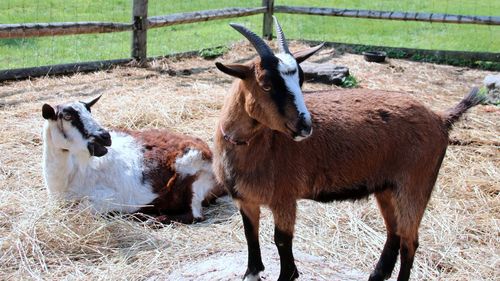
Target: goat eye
67,117
266,88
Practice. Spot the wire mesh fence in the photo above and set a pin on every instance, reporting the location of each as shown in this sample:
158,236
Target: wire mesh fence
39,51
196,36
408,34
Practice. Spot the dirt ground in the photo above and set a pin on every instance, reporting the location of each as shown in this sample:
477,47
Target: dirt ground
40,239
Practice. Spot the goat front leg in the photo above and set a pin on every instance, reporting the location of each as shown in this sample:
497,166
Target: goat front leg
251,216
284,223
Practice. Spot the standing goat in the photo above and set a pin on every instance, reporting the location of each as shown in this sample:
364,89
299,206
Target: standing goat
153,172
364,142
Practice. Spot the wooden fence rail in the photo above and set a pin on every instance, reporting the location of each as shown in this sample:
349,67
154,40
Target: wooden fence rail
389,15
140,23
60,28
181,18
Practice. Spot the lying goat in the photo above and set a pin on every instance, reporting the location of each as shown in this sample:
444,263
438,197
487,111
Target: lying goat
364,142
153,172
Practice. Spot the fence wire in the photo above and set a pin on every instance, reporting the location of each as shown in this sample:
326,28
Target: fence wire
197,36
39,51
407,34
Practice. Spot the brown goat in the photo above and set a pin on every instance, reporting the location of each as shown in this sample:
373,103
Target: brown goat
364,142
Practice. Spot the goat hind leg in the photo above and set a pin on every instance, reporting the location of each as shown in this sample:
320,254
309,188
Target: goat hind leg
251,215
284,223
389,255
411,209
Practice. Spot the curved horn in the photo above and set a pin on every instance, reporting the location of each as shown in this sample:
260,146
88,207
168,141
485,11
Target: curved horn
89,104
281,37
260,46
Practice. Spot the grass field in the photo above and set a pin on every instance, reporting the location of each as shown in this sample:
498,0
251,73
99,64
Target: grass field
28,52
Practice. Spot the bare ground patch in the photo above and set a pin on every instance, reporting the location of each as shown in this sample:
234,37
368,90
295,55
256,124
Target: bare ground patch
459,237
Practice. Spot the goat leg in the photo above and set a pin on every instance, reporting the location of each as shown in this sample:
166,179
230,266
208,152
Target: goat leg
251,216
284,223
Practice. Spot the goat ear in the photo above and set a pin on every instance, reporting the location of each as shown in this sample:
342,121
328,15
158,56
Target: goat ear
48,112
236,70
301,56
89,104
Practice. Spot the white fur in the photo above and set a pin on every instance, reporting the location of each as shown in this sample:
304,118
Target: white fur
301,138
110,183
287,64
192,163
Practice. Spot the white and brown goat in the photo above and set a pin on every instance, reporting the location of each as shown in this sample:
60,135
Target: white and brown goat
153,171
364,142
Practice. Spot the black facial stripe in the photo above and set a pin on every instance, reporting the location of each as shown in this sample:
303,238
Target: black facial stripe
301,76
279,92
76,120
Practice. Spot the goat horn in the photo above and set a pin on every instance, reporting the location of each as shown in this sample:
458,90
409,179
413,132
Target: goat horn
260,46
89,104
281,37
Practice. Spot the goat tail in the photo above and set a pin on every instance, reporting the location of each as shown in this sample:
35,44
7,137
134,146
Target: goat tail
470,100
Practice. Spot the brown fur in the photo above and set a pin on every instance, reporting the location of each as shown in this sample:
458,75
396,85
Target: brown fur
363,142
358,137
161,148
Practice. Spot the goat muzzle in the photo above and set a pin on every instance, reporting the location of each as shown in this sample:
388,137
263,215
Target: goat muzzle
97,146
303,128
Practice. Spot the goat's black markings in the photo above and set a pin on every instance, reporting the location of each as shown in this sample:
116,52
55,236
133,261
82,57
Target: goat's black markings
76,121
384,114
291,72
279,93
387,260
283,242
255,264
301,75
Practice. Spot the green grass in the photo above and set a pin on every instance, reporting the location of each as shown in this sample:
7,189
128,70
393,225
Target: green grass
349,82
15,53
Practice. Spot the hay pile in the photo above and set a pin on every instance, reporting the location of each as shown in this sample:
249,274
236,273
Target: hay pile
459,236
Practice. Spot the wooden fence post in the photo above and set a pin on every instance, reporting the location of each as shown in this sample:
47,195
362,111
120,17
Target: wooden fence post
139,35
267,25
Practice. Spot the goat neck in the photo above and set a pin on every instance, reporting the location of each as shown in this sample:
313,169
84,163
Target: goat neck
57,166
235,122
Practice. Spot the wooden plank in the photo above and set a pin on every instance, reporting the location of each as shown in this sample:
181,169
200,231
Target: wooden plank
389,15
181,18
267,24
326,73
139,36
60,69
59,28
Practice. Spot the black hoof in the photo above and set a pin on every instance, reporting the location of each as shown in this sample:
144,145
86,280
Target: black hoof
251,277
253,274
378,276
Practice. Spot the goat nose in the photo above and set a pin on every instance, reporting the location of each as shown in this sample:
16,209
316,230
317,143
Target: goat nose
304,125
104,137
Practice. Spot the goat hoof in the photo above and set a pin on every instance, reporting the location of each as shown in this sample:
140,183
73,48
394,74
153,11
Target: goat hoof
251,277
378,276
288,277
